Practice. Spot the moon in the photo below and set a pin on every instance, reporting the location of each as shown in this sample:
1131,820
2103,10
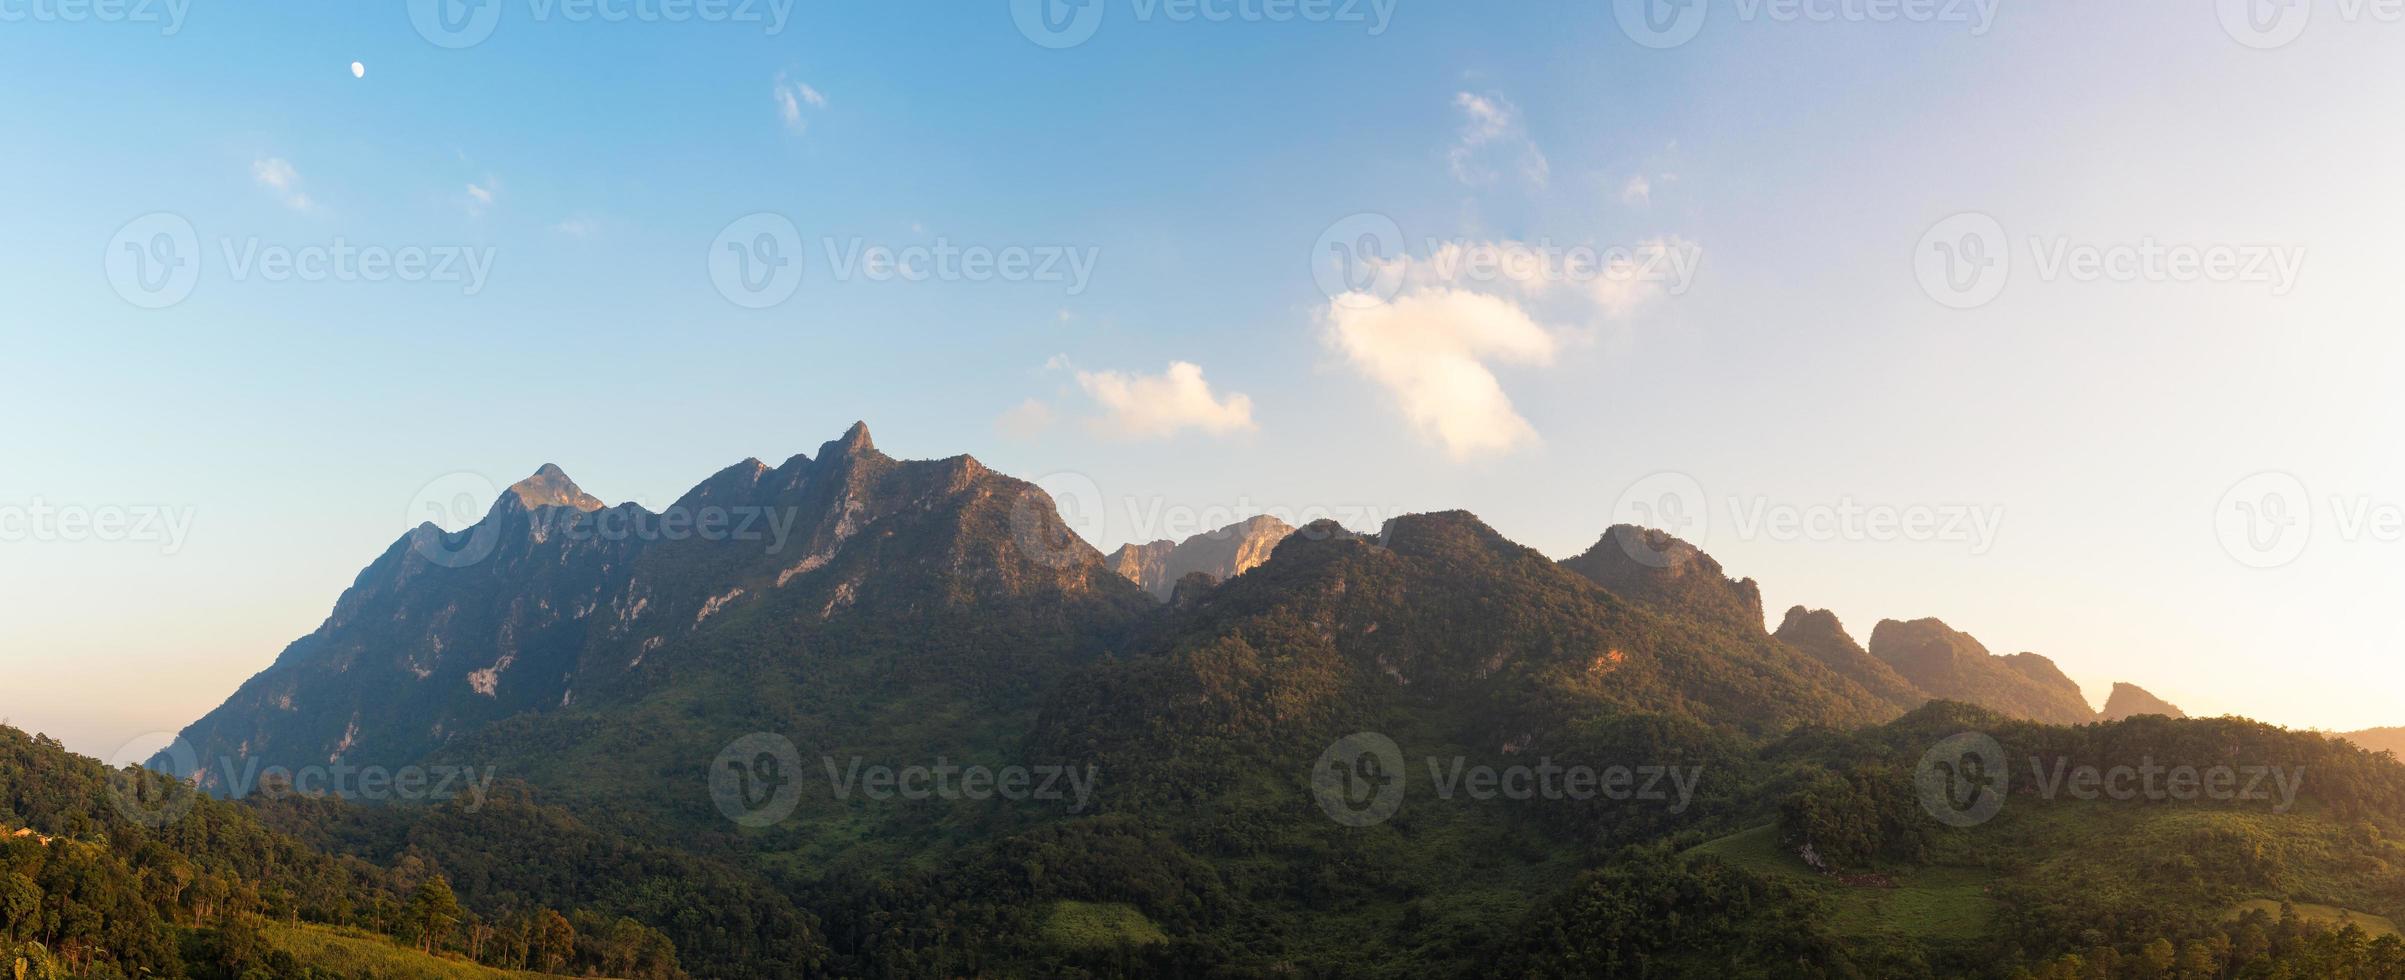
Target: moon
358,70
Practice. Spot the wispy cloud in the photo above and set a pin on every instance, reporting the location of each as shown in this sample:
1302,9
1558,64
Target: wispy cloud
793,98
1637,192
482,194
1155,406
1492,136
277,174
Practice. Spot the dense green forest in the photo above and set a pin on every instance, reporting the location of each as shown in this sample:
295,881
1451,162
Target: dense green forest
1247,887
128,874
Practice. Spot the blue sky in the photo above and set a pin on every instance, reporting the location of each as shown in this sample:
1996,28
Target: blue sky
1803,369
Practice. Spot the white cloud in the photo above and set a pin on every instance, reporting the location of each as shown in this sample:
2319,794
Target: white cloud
276,174
1468,305
1026,420
1655,268
1430,348
1157,406
792,97
578,227
1492,135
1638,192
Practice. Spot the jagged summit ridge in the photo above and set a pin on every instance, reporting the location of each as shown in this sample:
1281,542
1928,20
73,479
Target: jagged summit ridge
1647,565
2129,700
1951,664
1222,554
1819,635
556,601
550,487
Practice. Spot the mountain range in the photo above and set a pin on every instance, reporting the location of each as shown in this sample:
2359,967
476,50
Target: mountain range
611,668
556,606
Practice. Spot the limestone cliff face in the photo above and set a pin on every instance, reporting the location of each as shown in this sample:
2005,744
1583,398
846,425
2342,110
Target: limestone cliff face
1819,635
1654,568
1222,554
556,601
2130,700
1951,664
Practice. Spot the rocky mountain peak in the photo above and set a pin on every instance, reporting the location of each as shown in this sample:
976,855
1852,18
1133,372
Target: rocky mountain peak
1818,634
550,487
1222,554
855,441
2129,700
1813,625
1953,665
1651,566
